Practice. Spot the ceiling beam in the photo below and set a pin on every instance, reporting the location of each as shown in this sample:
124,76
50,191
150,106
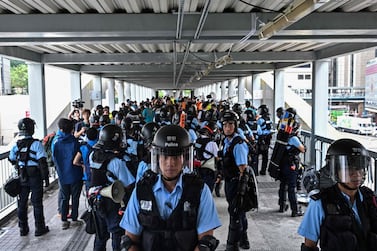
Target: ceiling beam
167,58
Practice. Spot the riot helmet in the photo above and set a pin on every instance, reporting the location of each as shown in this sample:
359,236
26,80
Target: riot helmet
250,116
172,141
290,113
345,159
263,109
237,108
279,112
110,138
229,116
210,128
148,131
26,127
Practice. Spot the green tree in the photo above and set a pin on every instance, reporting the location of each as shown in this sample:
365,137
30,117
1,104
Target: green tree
19,76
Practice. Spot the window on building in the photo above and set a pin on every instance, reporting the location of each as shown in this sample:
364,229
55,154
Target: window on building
308,76
300,76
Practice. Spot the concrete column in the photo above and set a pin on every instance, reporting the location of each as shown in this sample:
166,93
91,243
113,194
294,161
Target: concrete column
224,90
97,91
37,92
241,90
75,85
218,91
320,80
257,91
127,91
111,94
119,86
232,90
279,93
320,88
249,85
133,92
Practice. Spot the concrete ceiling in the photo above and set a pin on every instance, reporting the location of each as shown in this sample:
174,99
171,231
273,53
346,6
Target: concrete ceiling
166,44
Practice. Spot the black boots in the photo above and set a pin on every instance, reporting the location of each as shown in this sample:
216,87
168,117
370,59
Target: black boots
298,212
24,230
283,208
41,229
244,242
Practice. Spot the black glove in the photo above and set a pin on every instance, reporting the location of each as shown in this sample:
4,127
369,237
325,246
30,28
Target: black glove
236,206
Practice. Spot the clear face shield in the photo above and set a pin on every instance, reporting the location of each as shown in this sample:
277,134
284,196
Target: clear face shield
170,162
349,169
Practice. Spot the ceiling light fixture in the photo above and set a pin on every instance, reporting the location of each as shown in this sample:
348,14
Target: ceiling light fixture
293,13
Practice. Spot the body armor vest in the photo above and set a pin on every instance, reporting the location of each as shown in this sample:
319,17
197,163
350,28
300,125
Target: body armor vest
340,230
99,176
200,148
230,168
178,232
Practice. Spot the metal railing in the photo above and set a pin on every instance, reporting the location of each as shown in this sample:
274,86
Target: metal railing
6,169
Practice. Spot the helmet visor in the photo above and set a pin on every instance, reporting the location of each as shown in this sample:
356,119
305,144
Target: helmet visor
347,168
182,156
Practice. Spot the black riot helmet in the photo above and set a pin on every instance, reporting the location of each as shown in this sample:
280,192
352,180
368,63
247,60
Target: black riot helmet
148,131
26,127
209,128
263,109
345,156
172,140
110,138
230,116
237,108
279,112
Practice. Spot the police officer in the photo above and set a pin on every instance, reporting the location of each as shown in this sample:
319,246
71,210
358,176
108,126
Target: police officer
234,154
264,139
170,209
107,165
29,157
147,133
289,166
342,216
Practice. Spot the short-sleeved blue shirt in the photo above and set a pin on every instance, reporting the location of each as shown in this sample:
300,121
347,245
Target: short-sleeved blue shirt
314,216
166,202
240,151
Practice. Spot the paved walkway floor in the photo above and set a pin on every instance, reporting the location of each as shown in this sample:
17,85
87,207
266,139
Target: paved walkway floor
268,229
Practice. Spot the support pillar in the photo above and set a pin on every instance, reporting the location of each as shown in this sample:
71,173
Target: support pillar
241,90
111,94
37,92
279,93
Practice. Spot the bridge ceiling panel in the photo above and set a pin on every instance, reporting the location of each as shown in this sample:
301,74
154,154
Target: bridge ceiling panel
167,43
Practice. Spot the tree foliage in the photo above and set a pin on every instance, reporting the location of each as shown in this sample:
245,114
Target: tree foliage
19,75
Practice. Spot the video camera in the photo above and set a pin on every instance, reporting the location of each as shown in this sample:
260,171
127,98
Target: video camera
78,103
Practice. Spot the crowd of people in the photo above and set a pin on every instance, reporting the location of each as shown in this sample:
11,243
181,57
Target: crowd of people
171,156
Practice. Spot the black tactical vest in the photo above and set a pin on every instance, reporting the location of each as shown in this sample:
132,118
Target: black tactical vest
230,168
178,232
340,230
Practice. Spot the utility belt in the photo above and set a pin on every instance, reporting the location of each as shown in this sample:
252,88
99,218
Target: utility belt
28,171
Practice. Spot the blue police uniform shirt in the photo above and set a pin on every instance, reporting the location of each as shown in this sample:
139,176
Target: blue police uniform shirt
240,151
293,141
262,123
166,202
314,216
36,147
141,169
193,136
118,168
